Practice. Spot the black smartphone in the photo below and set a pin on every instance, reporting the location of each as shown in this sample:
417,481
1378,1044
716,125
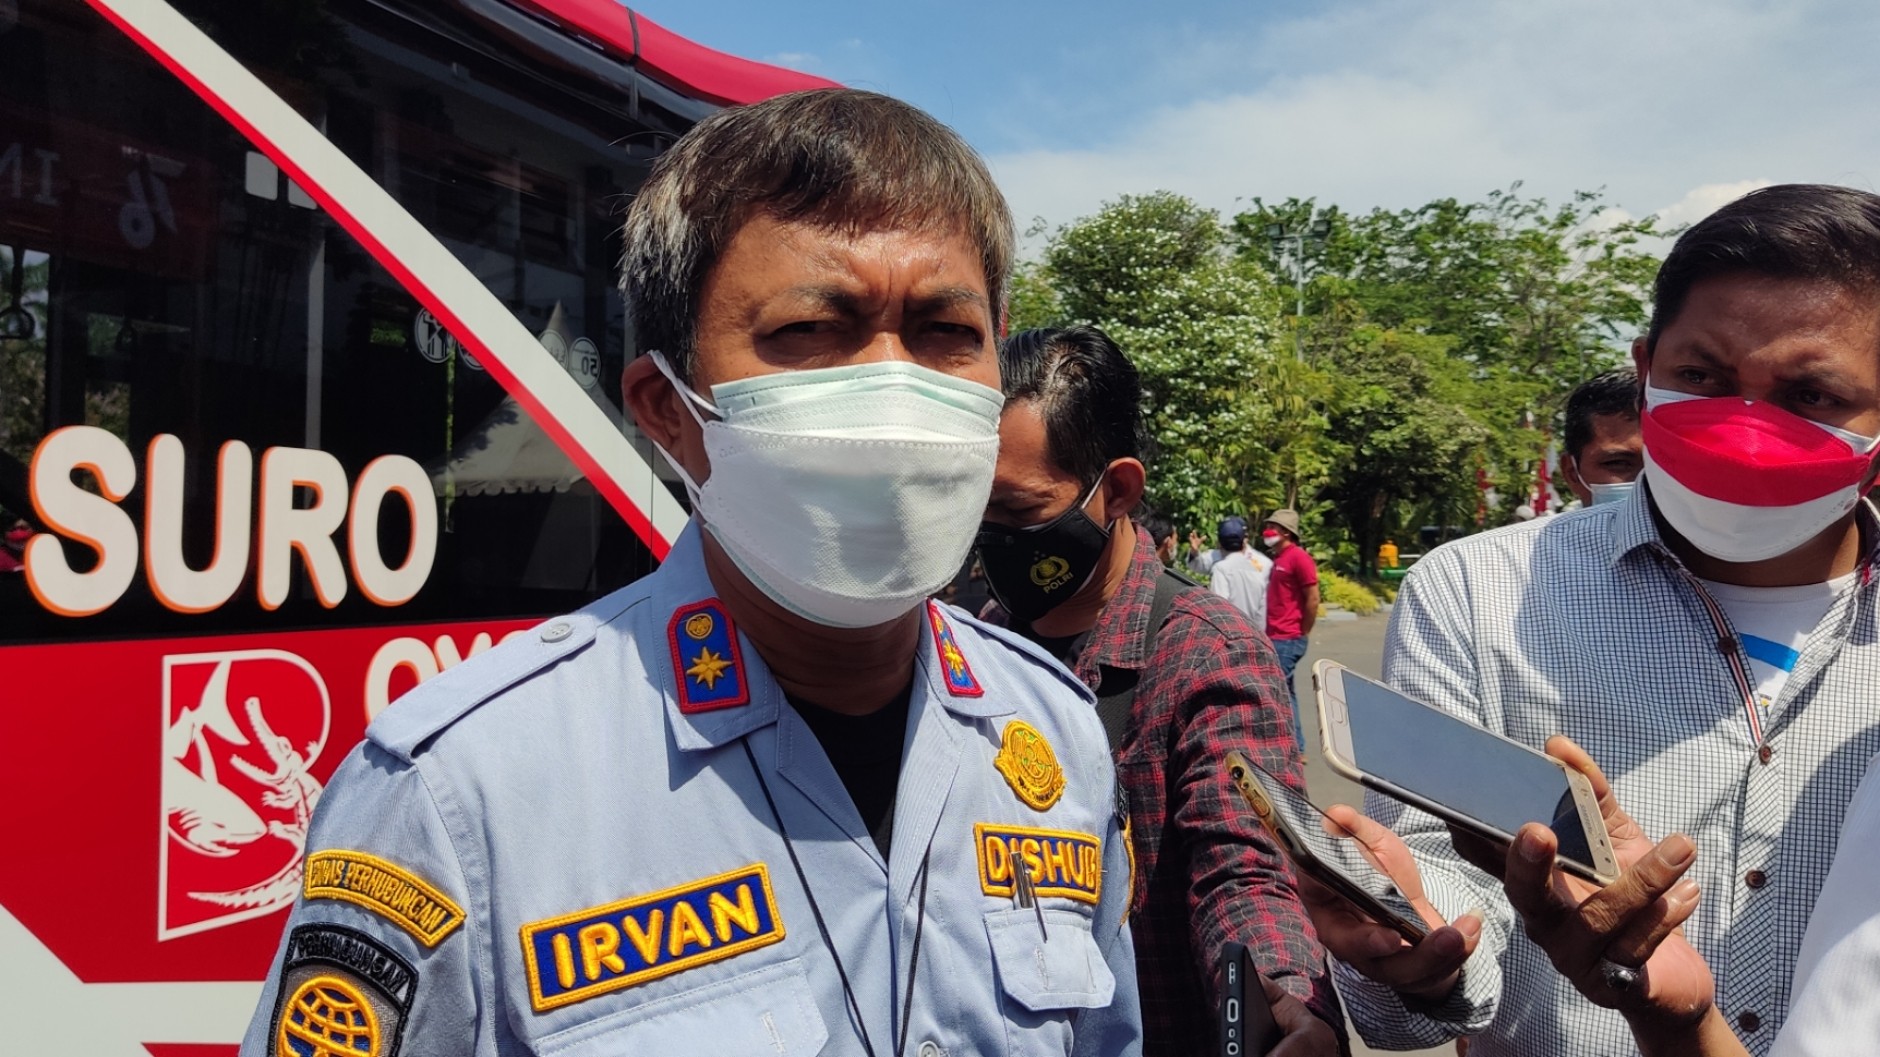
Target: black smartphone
1247,1025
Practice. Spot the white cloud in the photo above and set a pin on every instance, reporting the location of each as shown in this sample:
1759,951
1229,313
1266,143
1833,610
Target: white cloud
1700,202
801,61
1673,108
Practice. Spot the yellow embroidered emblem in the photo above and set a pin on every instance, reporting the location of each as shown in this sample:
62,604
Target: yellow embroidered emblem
708,668
601,949
1060,862
955,660
387,890
1029,765
698,625
329,1015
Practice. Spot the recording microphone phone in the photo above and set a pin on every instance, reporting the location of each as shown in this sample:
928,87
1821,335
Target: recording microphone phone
1247,1026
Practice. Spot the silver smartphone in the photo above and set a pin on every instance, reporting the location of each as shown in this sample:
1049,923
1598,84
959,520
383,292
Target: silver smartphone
1463,774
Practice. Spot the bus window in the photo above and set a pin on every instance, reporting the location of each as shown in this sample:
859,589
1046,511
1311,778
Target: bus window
251,490
198,316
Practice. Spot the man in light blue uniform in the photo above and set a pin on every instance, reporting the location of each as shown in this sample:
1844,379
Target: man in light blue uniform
770,799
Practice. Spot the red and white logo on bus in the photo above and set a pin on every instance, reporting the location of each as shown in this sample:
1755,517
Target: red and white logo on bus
242,732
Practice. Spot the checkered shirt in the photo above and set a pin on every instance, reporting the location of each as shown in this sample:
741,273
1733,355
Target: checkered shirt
1586,625
1206,872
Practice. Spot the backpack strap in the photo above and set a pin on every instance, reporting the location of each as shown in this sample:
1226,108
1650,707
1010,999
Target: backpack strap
1117,695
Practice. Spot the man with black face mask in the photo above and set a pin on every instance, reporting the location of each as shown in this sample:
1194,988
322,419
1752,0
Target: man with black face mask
1180,675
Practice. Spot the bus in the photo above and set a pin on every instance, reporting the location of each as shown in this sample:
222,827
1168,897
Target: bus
310,348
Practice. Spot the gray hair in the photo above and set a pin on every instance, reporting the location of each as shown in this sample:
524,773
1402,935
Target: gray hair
847,159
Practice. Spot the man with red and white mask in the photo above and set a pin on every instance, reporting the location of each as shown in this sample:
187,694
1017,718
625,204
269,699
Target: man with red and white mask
1726,684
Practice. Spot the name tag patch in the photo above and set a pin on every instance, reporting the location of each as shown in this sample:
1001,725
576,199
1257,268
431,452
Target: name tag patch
1061,863
592,952
387,890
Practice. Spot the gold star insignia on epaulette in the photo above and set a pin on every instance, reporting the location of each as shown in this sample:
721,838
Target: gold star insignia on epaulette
708,667
956,661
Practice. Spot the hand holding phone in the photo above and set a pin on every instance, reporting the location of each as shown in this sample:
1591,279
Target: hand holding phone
1324,850
1426,967
1258,1017
1247,1025
1464,774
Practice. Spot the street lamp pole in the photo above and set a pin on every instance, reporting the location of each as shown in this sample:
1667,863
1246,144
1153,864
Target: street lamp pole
1296,240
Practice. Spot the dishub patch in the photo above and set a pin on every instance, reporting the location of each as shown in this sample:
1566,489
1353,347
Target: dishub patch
1061,862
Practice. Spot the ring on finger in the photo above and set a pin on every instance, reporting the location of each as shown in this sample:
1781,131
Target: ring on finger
1621,978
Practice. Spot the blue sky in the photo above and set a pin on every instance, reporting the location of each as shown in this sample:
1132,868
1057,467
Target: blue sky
1672,106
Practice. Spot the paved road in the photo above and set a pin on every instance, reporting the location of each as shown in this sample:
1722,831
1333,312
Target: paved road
1358,645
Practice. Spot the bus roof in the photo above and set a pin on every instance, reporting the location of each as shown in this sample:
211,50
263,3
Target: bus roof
686,65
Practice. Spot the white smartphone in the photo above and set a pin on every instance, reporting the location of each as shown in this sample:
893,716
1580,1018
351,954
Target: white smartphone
1463,774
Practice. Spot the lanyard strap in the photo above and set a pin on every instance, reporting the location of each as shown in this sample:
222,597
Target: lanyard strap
822,927
1730,645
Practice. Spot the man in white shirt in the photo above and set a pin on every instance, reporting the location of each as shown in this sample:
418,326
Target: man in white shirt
1727,680
1201,562
1671,1006
1241,573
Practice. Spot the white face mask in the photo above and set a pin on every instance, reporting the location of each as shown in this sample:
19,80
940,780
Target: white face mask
848,495
1615,492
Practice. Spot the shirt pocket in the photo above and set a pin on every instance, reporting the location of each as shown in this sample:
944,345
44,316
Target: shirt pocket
768,1012
1046,976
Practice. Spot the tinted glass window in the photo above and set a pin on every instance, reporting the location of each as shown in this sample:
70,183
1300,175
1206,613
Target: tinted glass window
218,352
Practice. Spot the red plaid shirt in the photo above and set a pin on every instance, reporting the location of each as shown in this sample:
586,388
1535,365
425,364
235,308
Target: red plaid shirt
1206,872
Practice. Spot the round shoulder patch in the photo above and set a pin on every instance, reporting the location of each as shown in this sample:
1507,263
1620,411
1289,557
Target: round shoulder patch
342,993
328,1016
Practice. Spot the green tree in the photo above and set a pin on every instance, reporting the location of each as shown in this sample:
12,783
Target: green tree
1409,424
1527,299
1434,340
1235,419
1549,291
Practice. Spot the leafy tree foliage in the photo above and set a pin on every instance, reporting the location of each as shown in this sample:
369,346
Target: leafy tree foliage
1434,340
1552,292
1232,419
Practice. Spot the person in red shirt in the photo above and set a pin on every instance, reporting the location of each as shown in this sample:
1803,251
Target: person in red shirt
12,552
1292,600
1180,675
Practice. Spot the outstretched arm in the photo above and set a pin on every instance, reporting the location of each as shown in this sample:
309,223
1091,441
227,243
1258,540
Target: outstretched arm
1590,932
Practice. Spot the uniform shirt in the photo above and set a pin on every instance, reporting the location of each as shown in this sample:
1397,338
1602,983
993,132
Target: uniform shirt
1293,573
1586,625
1241,579
567,846
866,754
1206,870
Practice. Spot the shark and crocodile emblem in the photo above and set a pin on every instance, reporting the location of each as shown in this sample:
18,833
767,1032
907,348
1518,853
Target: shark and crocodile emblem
238,785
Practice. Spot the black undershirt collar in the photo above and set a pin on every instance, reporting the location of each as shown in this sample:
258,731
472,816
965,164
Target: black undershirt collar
866,754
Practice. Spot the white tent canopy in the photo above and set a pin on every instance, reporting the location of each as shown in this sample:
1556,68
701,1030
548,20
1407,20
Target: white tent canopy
508,452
